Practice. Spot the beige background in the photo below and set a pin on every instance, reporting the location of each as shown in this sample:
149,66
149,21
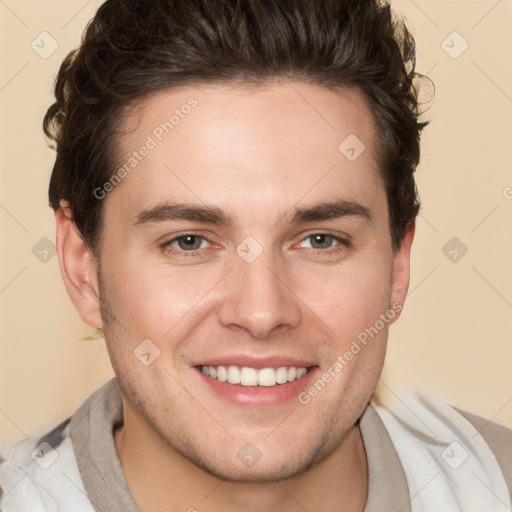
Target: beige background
454,338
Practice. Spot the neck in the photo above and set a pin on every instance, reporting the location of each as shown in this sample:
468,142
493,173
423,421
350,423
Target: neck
160,478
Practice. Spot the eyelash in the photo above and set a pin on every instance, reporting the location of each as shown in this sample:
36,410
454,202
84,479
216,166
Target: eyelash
168,247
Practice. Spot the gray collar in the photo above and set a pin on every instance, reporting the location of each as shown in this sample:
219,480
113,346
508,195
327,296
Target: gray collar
93,424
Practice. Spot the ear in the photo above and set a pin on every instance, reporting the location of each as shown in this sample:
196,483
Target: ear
402,269
78,267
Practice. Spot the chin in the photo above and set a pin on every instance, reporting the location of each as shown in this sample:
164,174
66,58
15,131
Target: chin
261,471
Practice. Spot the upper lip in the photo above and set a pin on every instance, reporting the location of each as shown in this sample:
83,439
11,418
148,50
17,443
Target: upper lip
275,361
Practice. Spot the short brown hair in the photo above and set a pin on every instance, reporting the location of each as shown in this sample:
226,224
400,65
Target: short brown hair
133,48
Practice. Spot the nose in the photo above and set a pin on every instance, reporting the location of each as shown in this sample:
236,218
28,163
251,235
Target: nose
258,298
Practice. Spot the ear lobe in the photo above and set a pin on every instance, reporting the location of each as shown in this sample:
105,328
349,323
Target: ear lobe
402,268
78,268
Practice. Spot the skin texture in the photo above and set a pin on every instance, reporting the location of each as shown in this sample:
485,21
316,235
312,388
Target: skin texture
257,154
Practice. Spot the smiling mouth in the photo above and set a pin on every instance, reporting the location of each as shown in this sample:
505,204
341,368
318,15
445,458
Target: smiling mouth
250,377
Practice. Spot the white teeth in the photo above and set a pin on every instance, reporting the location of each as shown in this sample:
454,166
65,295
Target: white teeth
267,377
246,376
292,373
233,375
282,375
222,374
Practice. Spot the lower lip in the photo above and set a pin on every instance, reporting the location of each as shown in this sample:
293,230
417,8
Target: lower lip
254,396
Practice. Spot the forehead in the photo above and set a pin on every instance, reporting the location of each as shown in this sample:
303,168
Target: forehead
247,147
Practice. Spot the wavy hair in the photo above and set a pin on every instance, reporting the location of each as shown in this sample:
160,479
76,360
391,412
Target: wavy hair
134,48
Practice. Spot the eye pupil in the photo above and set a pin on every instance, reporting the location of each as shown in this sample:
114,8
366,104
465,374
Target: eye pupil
322,240
189,242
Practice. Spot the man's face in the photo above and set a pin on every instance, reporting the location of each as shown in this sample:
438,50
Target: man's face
271,288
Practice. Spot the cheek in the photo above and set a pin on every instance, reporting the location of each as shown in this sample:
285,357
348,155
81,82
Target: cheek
154,299
349,299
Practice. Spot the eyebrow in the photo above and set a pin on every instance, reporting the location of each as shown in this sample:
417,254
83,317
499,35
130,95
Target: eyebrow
216,216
